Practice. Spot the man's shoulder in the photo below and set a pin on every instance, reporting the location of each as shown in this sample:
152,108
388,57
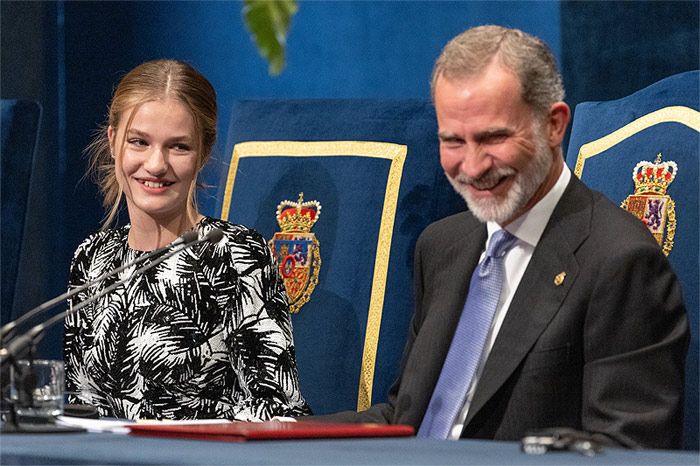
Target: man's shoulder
614,222
599,217
446,228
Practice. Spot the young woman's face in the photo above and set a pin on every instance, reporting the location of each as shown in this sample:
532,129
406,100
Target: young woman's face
156,160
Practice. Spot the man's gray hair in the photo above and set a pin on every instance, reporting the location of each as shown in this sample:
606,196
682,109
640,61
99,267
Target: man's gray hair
528,57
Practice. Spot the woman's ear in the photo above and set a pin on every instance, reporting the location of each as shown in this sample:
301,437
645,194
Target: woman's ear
110,137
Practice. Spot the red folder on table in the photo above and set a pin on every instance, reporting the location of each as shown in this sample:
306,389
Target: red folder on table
270,430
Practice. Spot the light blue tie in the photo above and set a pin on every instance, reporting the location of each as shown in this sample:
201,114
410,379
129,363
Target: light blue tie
468,341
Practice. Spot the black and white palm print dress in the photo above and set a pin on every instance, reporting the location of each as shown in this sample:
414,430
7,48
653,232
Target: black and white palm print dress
205,334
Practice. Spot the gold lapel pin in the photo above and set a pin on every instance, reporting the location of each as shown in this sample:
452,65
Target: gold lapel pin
559,279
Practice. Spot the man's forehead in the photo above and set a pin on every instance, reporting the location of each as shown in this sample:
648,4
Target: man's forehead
493,75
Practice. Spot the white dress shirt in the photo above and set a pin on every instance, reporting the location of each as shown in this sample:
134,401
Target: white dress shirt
528,229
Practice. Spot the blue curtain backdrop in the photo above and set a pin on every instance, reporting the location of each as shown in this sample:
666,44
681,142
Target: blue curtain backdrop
68,55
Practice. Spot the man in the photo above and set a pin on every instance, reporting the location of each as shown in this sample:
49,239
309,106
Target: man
586,329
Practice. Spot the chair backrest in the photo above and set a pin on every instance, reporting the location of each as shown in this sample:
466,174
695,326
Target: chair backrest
642,152
371,181
18,135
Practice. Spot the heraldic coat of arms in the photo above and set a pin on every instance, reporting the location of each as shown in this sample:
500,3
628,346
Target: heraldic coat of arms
297,250
650,203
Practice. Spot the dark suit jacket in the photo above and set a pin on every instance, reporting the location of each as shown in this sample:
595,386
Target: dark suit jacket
603,352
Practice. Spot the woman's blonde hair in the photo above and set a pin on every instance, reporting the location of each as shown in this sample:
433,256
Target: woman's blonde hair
153,80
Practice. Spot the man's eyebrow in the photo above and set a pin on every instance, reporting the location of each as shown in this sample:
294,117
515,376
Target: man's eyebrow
448,136
492,133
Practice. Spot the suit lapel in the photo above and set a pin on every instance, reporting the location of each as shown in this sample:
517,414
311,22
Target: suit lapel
451,275
537,298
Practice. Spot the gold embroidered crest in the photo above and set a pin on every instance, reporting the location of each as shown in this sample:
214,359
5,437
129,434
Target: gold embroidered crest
650,203
297,250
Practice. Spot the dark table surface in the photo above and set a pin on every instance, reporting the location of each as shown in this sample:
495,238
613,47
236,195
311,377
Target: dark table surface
93,448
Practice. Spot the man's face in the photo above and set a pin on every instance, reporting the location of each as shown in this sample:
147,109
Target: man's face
494,151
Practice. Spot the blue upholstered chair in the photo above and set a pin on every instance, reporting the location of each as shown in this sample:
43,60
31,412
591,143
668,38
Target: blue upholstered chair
371,181
642,152
19,133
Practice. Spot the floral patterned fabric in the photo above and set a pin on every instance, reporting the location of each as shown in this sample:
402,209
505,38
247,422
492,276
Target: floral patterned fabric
205,334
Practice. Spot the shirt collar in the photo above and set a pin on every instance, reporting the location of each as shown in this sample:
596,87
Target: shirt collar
530,225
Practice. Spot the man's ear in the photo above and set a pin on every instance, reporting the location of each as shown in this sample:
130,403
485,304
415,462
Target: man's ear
559,116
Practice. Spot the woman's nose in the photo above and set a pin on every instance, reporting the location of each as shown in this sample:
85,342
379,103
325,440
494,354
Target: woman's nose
156,163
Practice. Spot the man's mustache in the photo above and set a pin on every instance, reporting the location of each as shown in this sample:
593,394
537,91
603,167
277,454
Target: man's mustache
487,180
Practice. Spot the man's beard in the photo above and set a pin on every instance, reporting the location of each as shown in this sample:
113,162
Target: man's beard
525,184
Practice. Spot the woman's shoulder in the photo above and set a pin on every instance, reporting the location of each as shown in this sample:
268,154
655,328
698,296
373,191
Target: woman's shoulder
233,233
242,247
109,238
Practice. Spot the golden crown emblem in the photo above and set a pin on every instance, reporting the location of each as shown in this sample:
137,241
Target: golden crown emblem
650,203
298,216
654,178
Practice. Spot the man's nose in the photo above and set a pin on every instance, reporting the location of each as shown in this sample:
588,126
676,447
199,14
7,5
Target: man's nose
475,162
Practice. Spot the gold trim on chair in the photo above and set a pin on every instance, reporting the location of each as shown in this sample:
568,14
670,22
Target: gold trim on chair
676,114
394,152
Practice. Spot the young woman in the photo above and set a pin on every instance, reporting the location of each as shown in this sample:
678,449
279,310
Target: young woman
204,334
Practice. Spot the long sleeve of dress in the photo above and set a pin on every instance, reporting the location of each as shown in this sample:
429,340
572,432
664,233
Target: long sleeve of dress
260,339
75,328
